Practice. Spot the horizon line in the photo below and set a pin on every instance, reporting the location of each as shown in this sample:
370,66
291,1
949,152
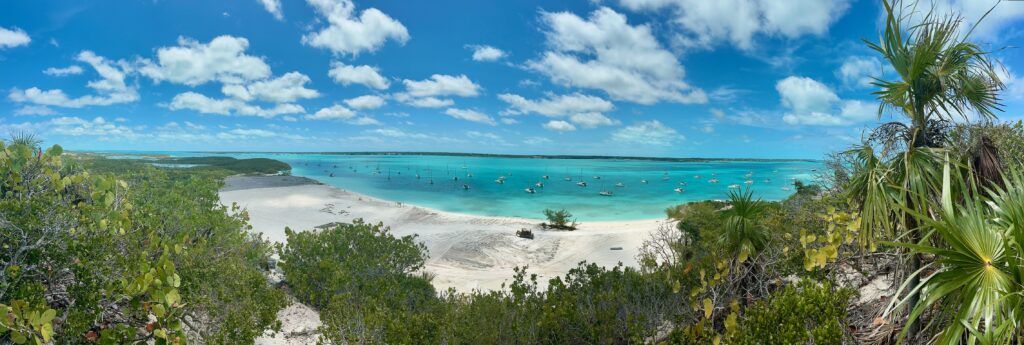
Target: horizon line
474,154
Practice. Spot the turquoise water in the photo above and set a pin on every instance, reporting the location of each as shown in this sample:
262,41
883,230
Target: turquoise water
394,177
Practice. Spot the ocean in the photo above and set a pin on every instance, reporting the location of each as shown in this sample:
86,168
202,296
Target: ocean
498,186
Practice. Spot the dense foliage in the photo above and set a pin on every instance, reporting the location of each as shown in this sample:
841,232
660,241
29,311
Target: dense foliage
133,254
240,166
365,283
804,314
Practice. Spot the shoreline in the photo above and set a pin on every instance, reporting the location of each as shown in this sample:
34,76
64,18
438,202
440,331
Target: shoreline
465,251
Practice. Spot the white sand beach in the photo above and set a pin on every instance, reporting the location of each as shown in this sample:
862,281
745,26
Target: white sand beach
466,252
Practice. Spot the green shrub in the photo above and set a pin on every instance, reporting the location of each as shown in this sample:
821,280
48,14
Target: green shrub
805,314
364,282
560,219
125,253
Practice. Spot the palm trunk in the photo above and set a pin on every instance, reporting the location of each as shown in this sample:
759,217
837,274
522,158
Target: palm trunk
920,140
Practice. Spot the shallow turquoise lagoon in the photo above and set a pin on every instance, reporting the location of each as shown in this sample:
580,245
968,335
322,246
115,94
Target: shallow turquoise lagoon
407,178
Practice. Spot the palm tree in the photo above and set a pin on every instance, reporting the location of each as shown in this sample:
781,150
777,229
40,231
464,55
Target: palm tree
742,232
941,76
980,276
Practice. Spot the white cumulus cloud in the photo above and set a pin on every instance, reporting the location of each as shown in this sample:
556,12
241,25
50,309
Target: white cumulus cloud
741,22
487,53
193,63
859,70
430,92
559,126
366,102
284,89
349,35
604,52
111,88
560,105
364,75
591,120
810,102
442,85
229,106
648,133
274,7
10,38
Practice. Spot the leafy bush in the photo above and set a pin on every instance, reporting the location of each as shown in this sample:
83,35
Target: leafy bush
809,313
560,219
124,254
1008,139
362,279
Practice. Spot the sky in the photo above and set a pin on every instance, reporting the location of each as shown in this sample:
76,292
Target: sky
667,78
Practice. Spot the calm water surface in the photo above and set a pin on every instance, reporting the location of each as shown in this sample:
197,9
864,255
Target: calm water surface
440,182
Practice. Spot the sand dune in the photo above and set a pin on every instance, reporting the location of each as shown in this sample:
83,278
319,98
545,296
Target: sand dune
466,252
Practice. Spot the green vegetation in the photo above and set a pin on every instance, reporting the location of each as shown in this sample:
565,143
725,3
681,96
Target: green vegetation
805,314
125,255
560,219
238,166
925,220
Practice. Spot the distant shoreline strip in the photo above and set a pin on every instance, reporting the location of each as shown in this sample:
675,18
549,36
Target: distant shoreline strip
495,155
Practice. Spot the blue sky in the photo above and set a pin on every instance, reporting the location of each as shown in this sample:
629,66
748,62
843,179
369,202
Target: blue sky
682,78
